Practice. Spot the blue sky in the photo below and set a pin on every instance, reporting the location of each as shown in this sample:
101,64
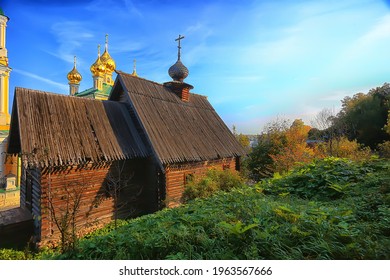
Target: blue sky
255,60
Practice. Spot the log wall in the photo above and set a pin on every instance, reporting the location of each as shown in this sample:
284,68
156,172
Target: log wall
84,190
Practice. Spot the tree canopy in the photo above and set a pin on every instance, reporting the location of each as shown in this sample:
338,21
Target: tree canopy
363,117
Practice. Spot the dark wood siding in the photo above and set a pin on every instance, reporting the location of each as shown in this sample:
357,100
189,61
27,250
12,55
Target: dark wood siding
98,205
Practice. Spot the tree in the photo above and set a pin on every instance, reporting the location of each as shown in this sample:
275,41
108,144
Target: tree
324,119
364,116
244,141
295,149
65,215
387,126
259,162
384,148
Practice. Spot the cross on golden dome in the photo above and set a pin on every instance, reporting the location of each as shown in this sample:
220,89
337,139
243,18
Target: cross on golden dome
74,77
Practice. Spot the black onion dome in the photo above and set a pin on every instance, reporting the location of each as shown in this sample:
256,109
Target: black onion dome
178,71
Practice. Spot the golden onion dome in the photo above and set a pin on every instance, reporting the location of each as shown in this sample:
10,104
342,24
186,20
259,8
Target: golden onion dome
74,77
98,68
107,60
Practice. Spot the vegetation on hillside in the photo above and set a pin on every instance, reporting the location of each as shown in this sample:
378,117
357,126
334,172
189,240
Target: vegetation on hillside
214,181
358,131
330,209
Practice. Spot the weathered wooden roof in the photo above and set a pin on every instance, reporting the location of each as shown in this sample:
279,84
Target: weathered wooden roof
52,129
178,131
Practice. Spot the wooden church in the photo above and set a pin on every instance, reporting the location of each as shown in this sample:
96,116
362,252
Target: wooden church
96,160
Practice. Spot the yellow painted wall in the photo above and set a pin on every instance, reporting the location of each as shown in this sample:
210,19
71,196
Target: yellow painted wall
9,199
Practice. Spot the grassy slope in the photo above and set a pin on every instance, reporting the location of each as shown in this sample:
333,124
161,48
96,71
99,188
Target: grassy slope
343,214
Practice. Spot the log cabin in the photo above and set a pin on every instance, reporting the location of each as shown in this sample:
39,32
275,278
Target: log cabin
98,160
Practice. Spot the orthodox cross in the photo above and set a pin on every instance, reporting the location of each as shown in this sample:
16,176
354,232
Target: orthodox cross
179,47
134,68
106,44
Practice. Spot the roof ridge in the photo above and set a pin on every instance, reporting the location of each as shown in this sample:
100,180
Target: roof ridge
55,94
186,104
119,72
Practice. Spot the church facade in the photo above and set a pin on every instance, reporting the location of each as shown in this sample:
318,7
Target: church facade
9,171
4,91
102,73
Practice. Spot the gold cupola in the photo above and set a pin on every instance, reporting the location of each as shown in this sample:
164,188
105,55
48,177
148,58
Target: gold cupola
74,77
108,63
98,68
98,71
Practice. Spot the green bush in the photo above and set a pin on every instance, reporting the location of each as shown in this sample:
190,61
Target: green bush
10,254
384,149
324,179
214,181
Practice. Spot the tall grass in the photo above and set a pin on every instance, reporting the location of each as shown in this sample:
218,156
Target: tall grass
268,221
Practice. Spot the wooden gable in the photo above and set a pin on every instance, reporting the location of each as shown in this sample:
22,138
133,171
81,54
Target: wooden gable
177,130
52,130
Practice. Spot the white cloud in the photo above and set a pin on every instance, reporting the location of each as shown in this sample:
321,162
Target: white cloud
118,8
60,86
71,37
368,43
378,32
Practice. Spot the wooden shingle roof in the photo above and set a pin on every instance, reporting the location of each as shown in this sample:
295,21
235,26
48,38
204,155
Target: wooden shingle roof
52,129
178,131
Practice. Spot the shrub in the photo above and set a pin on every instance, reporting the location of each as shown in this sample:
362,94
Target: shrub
215,180
384,149
323,179
10,254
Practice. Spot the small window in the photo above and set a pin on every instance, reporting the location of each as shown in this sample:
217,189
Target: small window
189,177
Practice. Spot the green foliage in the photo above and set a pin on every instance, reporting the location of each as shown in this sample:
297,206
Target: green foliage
244,141
387,126
384,149
10,254
364,116
259,162
351,221
324,179
343,148
214,181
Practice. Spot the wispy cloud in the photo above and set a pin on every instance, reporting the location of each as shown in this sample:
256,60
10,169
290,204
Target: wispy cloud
60,86
132,8
118,8
71,36
377,34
